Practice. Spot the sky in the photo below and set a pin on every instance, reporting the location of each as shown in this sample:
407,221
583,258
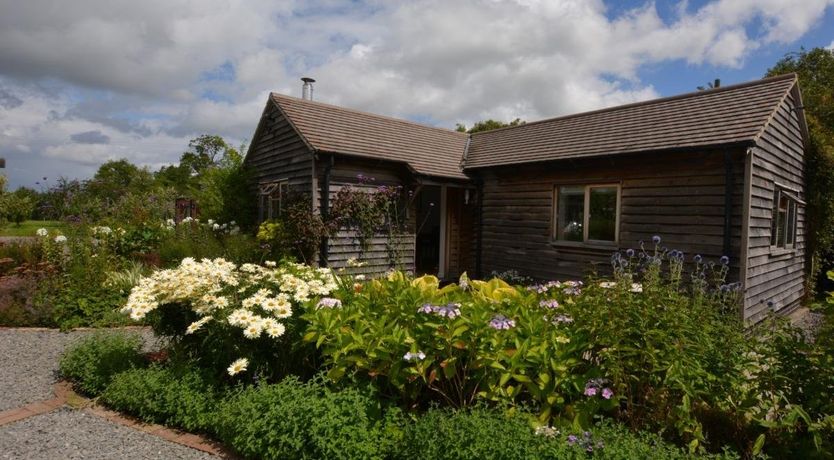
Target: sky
88,81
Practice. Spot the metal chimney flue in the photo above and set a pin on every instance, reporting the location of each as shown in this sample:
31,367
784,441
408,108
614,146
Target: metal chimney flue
307,88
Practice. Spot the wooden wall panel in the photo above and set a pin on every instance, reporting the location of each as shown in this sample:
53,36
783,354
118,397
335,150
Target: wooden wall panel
280,153
679,196
775,275
344,245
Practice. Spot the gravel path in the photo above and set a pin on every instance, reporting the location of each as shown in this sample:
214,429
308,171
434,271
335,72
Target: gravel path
29,360
70,434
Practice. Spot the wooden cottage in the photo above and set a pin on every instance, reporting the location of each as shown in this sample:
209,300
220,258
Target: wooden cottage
716,173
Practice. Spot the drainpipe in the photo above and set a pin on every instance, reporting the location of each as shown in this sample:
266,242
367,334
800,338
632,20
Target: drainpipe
729,182
324,210
479,239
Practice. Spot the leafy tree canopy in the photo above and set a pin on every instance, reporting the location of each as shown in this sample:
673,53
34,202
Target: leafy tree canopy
487,125
118,176
815,69
204,152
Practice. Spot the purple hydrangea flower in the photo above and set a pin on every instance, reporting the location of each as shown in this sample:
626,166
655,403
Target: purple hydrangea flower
329,302
414,356
572,439
550,303
607,393
572,291
426,308
562,319
500,322
450,310
590,391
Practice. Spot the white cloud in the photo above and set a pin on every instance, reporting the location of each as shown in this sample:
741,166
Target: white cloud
831,46
149,75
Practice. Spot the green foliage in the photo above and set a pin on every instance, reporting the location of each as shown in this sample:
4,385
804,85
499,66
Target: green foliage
292,419
487,125
16,207
423,343
18,307
224,191
29,227
482,433
297,233
178,396
368,211
201,154
95,360
815,69
115,177
198,240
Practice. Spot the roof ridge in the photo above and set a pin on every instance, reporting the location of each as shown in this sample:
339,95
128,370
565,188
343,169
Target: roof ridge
371,114
688,95
776,109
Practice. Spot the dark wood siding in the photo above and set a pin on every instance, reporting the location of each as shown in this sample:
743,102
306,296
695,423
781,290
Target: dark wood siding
678,196
775,275
343,245
278,153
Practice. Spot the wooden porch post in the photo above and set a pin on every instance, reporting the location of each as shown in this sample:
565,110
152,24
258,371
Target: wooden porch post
441,269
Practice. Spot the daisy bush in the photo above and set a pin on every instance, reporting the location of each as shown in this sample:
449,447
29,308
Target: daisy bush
238,320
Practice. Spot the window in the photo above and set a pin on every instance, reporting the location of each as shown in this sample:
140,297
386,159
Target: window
587,213
783,222
271,199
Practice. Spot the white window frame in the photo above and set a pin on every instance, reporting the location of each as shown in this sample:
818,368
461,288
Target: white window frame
790,223
266,198
586,215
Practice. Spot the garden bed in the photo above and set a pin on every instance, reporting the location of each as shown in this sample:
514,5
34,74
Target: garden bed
289,360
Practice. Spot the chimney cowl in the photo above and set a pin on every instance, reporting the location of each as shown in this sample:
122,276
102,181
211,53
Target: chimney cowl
307,88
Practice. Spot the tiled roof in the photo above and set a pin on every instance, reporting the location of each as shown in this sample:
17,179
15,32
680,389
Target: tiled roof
327,128
728,115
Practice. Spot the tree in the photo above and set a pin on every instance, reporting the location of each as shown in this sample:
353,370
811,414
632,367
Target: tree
815,69
116,177
204,152
223,190
16,207
487,125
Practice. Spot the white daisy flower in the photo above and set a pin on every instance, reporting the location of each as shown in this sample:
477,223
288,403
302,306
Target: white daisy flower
238,366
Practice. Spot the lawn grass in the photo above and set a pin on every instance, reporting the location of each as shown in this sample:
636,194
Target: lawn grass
29,227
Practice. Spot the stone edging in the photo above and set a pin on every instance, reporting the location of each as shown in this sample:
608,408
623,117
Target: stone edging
64,393
75,329
61,389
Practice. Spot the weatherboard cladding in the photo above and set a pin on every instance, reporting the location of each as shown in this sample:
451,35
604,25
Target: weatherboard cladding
427,150
729,115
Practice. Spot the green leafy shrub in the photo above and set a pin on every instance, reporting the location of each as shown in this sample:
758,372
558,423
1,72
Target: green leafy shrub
16,207
92,363
296,233
178,396
18,305
292,419
482,433
199,240
30,253
452,345
78,293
